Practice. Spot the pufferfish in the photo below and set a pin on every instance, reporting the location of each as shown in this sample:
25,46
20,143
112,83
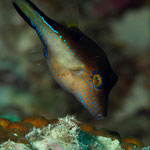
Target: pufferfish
77,63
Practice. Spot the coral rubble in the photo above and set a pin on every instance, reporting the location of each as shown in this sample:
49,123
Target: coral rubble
62,134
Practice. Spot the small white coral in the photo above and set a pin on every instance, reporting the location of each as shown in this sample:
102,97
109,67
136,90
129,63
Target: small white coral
64,135
109,144
10,145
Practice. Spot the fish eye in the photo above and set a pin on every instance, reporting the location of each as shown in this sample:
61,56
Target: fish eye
97,80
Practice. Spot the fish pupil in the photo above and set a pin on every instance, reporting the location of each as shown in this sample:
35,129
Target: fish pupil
97,81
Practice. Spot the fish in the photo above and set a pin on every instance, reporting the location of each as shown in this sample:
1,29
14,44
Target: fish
76,61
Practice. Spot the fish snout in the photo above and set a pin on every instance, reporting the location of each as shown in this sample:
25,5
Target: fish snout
102,113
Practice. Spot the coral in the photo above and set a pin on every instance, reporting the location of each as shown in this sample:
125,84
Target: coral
4,122
38,121
133,141
3,135
128,146
18,126
62,134
53,121
10,145
107,133
87,128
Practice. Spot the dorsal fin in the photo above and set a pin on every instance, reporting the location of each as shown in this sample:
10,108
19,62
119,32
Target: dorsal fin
71,15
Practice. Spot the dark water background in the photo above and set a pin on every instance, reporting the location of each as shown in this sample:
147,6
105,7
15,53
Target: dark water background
122,28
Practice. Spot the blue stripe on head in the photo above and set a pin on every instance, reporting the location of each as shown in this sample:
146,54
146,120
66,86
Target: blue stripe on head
45,51
95,110
46,22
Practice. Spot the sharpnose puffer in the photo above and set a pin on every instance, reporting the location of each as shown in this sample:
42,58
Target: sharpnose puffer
77,63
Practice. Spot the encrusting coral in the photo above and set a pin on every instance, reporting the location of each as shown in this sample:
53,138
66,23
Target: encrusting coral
61,134
4,123
37,121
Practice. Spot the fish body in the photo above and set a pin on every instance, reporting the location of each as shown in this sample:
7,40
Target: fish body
77,63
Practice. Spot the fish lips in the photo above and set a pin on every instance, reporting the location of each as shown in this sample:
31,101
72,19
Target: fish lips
103,102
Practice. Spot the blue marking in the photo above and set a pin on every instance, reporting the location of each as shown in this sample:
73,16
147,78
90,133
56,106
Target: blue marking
96,88
85,97
84,104
95,110
65,44
72,54
92,103
31,21
93,72
49,35
37,31
45,51
60,36
46,22
102,81
46,32
39,25
64,40
93,107
41,28
34,19
90,77
68,47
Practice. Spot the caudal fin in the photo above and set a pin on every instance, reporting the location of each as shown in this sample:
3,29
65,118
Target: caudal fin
31,14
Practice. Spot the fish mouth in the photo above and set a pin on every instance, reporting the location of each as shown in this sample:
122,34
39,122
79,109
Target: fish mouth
100,116
102,113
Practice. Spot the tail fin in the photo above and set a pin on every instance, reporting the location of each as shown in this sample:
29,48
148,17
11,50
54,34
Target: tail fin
37,20
31,14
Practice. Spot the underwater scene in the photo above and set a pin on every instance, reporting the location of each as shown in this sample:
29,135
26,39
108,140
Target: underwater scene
75,75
